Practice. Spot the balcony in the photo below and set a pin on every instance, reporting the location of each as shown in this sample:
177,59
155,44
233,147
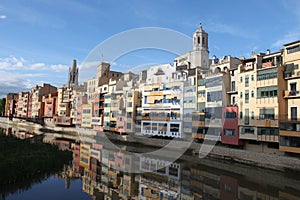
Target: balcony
213,122
232,91
291,94
291,74
290,126
268,138
267,64
266,123
198,123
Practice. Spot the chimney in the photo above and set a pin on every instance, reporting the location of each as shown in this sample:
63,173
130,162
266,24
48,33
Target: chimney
268,51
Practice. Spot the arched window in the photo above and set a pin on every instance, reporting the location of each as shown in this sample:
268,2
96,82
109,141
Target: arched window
198,40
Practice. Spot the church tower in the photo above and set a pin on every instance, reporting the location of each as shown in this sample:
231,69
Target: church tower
200,53
73,75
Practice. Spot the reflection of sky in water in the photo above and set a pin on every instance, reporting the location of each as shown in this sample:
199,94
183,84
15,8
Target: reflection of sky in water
52,188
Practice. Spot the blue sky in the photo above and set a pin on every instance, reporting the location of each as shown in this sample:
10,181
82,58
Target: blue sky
39,39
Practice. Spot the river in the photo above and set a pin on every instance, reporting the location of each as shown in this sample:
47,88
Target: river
99,170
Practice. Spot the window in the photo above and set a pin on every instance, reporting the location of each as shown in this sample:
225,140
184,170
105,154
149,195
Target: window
266,113
247,130
247,81
86,111
246,116
129,104
201,93
293,89
215,112
233,86
229,132
252,77
129,94
230,115
267,74
214,96
252,93
174,127
216,81
293,49
241,95
294,113
267,92
233,100
241,79
267,131
247,96
241,114
252,115
145,99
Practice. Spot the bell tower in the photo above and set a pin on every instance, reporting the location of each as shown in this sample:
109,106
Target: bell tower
200,53
73,75
200,39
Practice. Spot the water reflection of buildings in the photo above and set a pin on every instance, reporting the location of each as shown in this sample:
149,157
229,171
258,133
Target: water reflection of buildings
17,132
104,176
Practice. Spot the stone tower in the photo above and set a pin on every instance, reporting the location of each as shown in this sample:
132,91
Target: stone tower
73,75
103,69
200,53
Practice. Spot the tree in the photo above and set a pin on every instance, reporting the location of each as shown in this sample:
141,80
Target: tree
2,106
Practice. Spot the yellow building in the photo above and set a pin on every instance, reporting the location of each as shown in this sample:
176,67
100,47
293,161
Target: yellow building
133,101
85,155
87,111
247,98
269,94
290,125
64,101
22,104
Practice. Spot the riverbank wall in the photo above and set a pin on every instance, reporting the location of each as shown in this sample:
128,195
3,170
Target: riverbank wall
264,160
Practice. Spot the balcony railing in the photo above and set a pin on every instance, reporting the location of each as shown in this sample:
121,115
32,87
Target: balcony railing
291,93
290,126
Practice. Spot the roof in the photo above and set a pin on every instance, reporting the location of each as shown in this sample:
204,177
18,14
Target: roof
297,41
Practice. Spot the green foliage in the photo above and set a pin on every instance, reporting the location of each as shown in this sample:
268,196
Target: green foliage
21,160
2,106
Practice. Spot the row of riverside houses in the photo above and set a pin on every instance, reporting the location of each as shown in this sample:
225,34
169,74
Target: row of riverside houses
248,102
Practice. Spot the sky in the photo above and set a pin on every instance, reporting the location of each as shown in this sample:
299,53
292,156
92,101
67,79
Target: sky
40,38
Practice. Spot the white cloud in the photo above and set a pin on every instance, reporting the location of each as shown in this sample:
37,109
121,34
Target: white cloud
18,74
17,82
14,63
289,37
2,16
293,7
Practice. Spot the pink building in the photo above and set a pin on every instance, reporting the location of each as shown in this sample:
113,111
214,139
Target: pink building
79,100
230,131
76,158
62,144
121,124
50,102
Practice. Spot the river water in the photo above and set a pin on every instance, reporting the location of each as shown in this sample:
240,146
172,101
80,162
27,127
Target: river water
98,171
